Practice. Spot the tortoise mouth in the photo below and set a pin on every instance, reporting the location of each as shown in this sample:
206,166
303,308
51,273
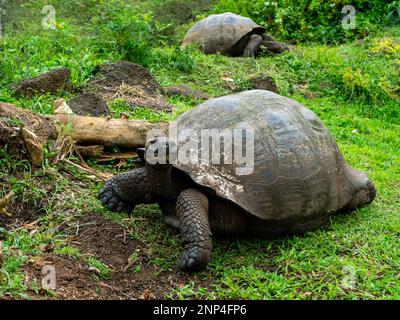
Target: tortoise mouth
371,191
364,196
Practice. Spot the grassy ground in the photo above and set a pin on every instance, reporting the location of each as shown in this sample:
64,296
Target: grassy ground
353,87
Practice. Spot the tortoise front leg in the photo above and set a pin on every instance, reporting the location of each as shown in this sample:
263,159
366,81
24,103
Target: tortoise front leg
252,47
124,191
192,211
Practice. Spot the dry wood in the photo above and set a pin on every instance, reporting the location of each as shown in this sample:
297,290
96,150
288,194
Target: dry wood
108,132
93,132
5,201
89,151
116,156
100,175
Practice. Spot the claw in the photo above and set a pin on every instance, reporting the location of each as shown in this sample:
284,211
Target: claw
112,201
191,261
107,197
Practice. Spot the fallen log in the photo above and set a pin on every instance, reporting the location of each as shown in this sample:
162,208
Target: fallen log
35,130
89,151
107,132
25,132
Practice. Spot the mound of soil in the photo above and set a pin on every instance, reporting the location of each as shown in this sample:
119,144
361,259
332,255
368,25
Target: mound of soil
89,104
130,82
52,82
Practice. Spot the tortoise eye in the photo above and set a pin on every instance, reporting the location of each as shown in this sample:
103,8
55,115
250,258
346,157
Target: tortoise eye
153,140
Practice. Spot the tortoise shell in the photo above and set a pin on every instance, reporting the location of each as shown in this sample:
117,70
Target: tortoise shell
220,32
298,166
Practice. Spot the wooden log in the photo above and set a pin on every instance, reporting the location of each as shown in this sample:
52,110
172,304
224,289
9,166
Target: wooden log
108,132
25,131
89,151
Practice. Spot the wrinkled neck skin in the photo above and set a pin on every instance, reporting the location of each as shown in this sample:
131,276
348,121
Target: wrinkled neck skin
356,188
272,45
166,181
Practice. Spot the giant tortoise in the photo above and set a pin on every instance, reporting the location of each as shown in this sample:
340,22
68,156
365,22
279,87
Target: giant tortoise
232,35
298,180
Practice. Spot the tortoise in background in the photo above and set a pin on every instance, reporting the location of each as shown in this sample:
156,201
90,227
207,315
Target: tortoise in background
299,179
232,35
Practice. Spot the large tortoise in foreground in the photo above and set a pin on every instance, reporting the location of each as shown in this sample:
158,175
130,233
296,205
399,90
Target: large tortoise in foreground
232,35
299,178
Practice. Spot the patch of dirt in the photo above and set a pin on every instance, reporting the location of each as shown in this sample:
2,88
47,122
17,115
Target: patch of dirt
23,209
89,104
108,242
22,214
52,82
130,82
105,240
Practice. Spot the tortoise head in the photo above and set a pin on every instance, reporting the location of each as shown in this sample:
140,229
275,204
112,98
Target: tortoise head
165,180
365,193
272,45
156,153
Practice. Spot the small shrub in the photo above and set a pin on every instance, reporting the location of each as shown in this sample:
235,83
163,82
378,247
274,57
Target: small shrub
314,20
386,46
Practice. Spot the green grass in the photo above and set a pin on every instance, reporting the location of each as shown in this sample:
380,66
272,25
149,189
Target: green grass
354,89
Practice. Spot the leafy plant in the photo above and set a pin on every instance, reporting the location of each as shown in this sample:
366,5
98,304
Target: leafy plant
313,20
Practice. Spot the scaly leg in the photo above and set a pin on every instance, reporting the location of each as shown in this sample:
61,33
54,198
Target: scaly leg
124,191
192,211
252,47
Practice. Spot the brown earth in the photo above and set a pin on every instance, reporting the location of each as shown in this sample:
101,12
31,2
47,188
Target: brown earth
177,12
23,214
129,82
89,104
52,82
106,241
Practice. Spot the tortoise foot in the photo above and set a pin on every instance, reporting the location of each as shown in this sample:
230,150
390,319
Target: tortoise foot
109,197
193,260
